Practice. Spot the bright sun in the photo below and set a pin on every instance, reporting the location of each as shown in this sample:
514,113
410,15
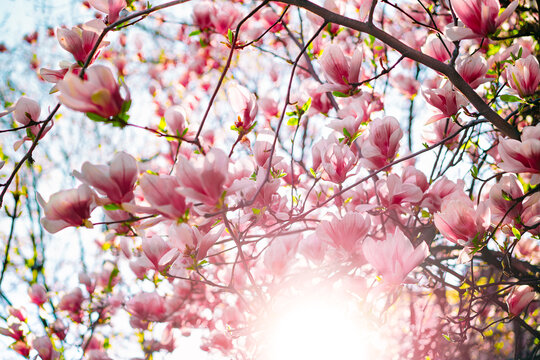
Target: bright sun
317,327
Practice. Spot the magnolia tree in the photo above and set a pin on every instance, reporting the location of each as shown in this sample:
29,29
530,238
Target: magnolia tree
293,180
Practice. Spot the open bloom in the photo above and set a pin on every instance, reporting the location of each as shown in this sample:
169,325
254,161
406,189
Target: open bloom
280,254
445,99
116,180
110,7
161,192
188,247
524,76
346,233
337,161
396,194
204,183
381,144
473,70
502,207
530,216
395,257
68,208
98,93
148,307
80,41
522,156
460,222
340,71
480,16
438,48
26,111
518,299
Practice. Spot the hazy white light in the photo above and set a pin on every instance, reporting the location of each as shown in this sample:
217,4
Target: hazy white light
318,328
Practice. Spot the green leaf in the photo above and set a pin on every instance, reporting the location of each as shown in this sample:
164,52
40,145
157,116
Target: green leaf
194,32
162,125
112,207
339,94
256,211
346,133
313,172
292,121
506,196
474,171
96,117
516,233
306,106
230,36
510,98
446,337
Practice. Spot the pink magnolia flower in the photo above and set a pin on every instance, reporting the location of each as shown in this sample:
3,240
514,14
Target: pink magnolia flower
524,76
519,298
116,181
480,16
340,71
346,233
440,190
37,294
320,102
244,104
522,156
412,175
148,307
202,14
445,99
460,221
19,313
406,84
438,48
99,93
381,143
279,255
21,348
395,257
440,130
175,117
161,192
351,124
79,41
110,7
473,70
53,76
499,205
225,17
188,246
337,161
154,248
313,248
26,111
14,331
204,183
68,208
263,147
530,216
72,302
44,347
395,194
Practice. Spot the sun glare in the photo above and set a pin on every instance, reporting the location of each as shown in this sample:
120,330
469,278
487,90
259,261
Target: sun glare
320,327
